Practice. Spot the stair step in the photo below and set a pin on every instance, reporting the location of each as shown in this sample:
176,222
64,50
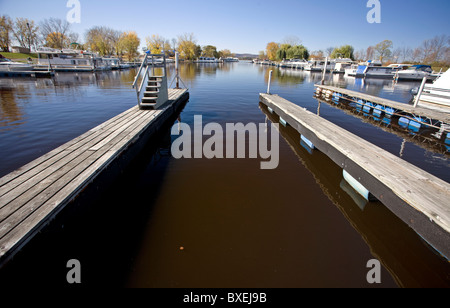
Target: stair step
149,100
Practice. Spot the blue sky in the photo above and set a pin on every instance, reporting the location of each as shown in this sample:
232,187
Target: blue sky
246,26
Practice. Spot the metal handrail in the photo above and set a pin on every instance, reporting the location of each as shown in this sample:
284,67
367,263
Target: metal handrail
146,74
144,61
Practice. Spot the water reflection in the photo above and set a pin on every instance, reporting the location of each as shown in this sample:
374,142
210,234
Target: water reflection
391,241
11,114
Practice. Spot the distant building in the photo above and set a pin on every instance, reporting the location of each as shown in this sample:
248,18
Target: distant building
18,49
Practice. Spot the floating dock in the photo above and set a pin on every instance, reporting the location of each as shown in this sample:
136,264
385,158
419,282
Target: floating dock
33,195
418,198
400,109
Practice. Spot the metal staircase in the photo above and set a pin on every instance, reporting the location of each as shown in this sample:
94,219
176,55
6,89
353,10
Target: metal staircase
155,92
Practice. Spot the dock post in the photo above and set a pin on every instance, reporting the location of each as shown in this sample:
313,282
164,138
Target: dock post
177,73
324,70
424,81
270,80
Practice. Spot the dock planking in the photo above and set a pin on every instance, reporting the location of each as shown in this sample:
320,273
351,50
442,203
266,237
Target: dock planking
35,193
418,111
420,199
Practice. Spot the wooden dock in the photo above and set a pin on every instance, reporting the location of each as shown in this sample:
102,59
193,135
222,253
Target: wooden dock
443,117
420,199
33,195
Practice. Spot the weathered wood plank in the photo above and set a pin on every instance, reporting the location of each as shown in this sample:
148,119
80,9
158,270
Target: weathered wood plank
35,163
37,184
20,184
421,190
67,171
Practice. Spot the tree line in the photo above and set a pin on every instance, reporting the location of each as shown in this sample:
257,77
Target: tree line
434,51
57,33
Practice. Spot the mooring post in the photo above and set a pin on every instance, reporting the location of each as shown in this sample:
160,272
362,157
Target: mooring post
324,70
270,80
424,81
176,71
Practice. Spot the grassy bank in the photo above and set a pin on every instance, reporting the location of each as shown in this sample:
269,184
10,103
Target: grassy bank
19,57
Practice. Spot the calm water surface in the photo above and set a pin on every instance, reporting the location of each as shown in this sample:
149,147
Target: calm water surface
295,226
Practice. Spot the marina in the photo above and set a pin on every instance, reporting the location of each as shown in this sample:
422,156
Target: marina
213,207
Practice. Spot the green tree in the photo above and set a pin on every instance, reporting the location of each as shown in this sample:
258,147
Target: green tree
297,52
282,51
210,51
345,51
384,49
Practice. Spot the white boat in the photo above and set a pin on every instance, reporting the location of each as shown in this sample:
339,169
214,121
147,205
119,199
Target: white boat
6,65
437,94
294,63
342,65
229,59
70,60
208,60
415,72
318,66
400,66
374,69
351,71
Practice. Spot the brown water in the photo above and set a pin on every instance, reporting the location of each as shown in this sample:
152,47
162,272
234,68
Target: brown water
298,225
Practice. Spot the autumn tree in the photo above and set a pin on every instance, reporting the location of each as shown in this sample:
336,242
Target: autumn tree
271,50
104,40
157,44
58,31
384,49
25,32
187,46
131,44
6,25
56,40
225,53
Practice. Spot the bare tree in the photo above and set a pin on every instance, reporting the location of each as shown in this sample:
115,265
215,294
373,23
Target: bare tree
434,49
370,52
58,30
292,40
329,51
25,32
6,25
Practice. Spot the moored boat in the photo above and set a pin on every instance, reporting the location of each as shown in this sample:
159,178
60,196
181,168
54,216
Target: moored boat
415,72
6,65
